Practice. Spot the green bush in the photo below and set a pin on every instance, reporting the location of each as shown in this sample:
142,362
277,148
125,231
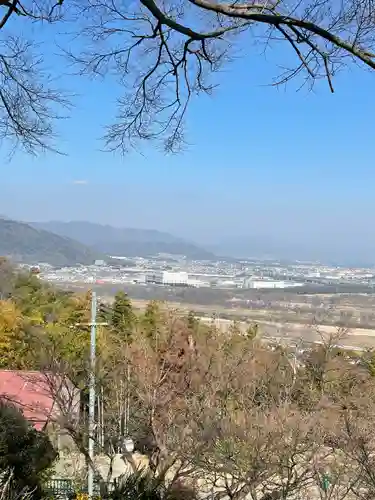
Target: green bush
25,454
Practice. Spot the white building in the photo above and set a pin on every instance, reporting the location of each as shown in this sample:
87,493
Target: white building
99,262
197,283
253,283
168,278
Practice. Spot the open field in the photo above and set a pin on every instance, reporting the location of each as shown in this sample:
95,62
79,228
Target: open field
280,313
353,337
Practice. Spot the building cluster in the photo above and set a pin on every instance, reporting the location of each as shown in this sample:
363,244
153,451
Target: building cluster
173,271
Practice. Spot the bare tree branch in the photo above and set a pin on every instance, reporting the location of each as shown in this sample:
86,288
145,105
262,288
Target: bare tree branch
29,103
166,52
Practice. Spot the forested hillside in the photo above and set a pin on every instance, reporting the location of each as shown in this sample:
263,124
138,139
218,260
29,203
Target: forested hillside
27,244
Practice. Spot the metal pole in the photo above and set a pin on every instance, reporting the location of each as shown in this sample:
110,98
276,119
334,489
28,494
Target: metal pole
90,479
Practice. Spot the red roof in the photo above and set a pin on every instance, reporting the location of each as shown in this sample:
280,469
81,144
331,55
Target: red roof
32,392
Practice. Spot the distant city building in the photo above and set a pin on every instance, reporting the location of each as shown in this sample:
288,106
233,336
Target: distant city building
197,283
254,283
168,278
35,270
99,262
141,278
226,284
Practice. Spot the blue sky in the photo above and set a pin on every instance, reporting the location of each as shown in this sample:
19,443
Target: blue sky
262,163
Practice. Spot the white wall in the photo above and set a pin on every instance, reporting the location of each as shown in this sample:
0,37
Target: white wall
168,278
269,284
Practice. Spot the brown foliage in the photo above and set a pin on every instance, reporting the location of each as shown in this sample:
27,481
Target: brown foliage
228,414
234,415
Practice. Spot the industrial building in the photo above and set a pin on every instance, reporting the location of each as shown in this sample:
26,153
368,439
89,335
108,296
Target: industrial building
100,263
263,283
168,278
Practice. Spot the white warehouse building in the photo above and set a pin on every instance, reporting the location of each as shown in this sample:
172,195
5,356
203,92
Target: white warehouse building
168,278
253,283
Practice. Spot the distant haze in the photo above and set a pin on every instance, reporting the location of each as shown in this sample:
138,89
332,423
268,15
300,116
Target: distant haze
130,241
267,171
236,227
341,253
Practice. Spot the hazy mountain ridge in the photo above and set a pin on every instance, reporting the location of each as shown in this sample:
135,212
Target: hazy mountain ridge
312,250
127,242
25,243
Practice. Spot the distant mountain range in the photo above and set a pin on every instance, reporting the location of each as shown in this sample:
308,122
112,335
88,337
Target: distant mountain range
343,251
69,243
28,244
126,242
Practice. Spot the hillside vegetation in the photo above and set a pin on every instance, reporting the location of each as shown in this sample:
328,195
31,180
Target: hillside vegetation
223,415
27,244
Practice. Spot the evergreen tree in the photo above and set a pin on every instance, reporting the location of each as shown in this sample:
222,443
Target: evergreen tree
123,317
151,319
7,278
252,331
192,322
104,313
25,453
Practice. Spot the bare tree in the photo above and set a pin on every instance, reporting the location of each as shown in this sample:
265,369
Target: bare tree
219,412
165,52
239,420
29,100
225,414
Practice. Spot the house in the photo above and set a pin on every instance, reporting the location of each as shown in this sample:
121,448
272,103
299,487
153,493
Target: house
46,400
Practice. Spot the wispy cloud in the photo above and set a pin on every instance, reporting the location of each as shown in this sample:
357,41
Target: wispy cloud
80,181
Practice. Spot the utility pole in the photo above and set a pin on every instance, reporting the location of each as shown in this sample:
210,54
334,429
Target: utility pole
92,390
90,479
